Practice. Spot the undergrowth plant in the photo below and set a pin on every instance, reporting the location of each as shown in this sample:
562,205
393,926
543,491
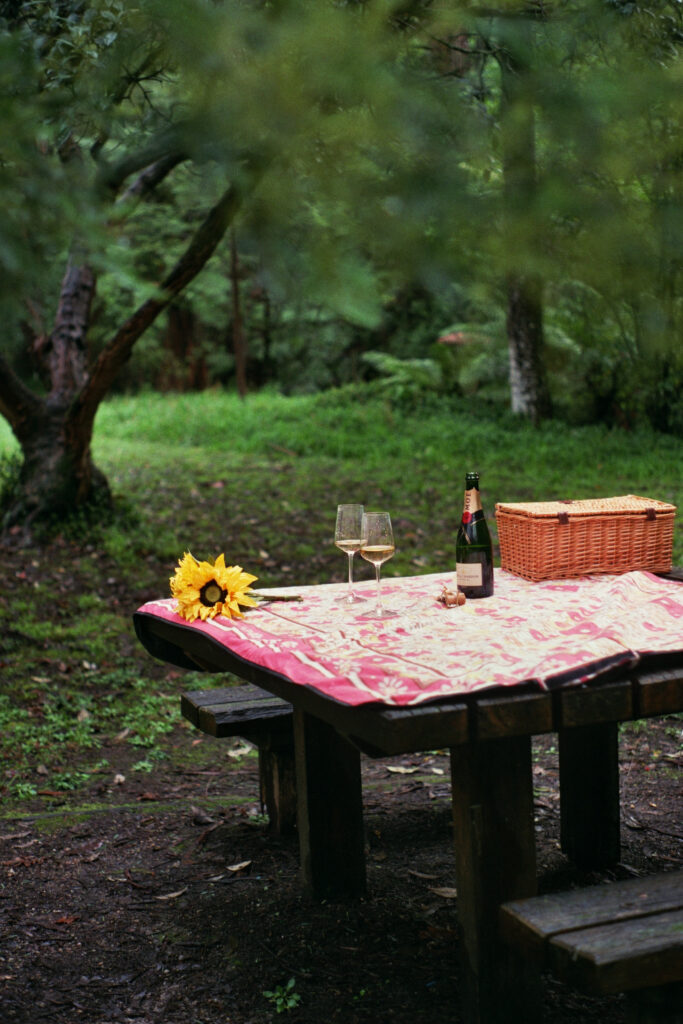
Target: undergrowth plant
283,997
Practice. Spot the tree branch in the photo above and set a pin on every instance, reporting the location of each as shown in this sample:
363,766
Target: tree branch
118,350
150,178
111,176
532,10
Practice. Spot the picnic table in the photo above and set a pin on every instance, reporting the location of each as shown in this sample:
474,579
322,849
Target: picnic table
576,657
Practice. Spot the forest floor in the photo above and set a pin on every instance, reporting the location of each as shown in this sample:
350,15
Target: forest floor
149,889
167,900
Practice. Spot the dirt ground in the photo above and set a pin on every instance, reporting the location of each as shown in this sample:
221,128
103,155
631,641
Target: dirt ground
169,901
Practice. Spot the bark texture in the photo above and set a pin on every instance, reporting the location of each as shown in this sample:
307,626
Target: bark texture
529,393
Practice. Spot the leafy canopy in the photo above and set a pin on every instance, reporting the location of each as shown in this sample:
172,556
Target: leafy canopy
379,160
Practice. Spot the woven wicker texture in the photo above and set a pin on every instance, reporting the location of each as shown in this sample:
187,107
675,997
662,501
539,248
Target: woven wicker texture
589,507
545,540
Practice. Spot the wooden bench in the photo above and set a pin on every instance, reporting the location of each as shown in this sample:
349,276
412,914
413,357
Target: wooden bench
616,937
262,719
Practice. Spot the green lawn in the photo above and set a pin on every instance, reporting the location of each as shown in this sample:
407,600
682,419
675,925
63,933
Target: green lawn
273,462
281,459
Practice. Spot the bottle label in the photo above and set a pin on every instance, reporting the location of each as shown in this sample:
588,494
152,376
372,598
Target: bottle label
471,505
469,574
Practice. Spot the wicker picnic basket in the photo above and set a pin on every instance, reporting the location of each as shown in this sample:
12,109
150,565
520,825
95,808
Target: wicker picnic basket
543,540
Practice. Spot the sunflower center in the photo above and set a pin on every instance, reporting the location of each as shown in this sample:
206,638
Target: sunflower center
211,593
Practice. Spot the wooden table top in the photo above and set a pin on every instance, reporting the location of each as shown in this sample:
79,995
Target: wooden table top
654,687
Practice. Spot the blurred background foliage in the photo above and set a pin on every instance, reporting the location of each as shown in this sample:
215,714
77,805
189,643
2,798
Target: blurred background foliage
380,236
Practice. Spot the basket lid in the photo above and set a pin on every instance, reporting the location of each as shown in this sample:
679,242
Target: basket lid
625,504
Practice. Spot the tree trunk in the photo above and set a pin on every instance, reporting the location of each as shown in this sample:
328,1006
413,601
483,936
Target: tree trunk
58,474
186,369
55,432
239,342
529,393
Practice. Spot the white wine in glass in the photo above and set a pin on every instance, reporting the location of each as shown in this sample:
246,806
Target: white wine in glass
377,546
347,538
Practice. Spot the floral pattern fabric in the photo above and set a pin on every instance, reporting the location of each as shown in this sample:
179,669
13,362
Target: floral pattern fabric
549,633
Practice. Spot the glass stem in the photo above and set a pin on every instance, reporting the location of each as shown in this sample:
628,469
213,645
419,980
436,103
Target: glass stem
379,592
350,554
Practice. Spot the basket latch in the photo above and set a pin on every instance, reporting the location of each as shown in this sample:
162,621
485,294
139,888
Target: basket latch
563,518
650,514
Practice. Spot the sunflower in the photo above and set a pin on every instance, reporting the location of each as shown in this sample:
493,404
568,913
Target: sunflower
203,590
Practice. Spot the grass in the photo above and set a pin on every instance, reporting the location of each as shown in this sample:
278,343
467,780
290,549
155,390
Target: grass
273,457
259,480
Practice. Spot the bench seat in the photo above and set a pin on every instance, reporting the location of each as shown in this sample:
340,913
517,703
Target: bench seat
615,937
262,719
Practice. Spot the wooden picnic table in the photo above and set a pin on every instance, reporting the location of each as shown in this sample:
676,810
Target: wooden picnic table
489,733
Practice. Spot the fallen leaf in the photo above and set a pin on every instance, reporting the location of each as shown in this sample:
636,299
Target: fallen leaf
242,866
445,891
200,817
400,770
241,750
172,895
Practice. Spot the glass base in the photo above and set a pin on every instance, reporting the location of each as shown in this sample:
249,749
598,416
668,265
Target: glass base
386,613
352,599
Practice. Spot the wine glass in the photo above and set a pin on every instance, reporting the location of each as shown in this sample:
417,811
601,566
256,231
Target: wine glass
376,546
347,538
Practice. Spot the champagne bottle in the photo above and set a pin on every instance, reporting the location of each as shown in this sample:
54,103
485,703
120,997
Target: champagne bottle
473,549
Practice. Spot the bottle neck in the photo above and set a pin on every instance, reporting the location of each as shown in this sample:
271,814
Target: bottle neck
471,505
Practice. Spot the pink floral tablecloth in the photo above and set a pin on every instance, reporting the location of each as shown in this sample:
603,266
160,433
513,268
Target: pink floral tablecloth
551,633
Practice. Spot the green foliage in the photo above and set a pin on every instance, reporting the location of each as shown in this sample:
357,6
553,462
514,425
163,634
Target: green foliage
382,197
149,716
405,380
283,997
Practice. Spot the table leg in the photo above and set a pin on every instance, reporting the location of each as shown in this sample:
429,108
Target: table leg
589,794
495,860
330,810
278,788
